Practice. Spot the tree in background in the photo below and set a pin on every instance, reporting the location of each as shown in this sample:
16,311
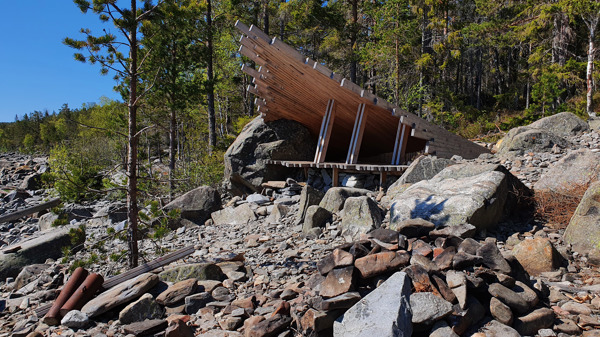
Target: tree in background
123,57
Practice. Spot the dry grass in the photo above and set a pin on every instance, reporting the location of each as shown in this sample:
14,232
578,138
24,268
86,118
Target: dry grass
557,208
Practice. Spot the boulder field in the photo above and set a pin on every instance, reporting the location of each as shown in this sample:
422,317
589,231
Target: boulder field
452,248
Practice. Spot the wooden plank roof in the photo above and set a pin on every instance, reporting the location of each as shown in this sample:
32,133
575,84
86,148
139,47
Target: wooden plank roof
291,86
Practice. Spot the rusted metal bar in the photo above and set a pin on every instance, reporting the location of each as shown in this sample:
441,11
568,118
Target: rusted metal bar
76,279
144,268
83,294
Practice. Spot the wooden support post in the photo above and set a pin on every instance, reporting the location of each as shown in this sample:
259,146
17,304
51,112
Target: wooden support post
403,143
325,134
357,135
400,147
306,173
336,177
382,179
397,142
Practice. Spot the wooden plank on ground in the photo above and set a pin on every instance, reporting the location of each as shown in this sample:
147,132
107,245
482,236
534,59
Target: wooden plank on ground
29,210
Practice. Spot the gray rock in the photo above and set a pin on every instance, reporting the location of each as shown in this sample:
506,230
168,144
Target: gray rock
501,311
525,139
197,204
538,319
308,197
492,258
441,329
31,182
462,231
45,222
199,271
481,195
413,227
576,169
457,281
28,274
563,124
583,231
497,329
75,319
108,215
428,308
335,197
144,308
239,215
279,212
120,294
316,217
37,250
509,297
196,302
260,141
383,312
423,168
359,216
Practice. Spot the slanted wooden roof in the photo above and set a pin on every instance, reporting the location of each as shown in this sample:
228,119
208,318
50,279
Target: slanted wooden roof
351,123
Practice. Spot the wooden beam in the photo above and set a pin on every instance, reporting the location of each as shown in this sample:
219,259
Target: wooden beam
326,126
29,210
357,135
335,177
251,89
250,71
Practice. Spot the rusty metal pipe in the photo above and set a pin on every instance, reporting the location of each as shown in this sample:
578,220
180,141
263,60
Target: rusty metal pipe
83,294
53,316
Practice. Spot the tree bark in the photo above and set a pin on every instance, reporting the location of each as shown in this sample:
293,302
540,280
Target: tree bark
353,40
592,24
132,207
212,135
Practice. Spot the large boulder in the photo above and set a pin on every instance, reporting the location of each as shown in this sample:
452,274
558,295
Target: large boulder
49,245
259,141
583,231
576,169
335,197
481,195
563,124
197,204
423,168
542,135
360,216
525,139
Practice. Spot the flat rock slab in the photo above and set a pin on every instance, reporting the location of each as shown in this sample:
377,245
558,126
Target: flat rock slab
428,308
146,327
481,195
538,319
142,309
177,292
199,271
376,264
46,246
383,312
120,294
197,204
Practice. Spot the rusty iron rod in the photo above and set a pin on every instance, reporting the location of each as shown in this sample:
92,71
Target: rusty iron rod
53,316
83,294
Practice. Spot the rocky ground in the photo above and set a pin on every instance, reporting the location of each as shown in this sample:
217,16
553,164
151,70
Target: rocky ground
290,262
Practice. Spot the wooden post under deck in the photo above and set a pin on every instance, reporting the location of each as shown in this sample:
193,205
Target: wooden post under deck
325,134
357,135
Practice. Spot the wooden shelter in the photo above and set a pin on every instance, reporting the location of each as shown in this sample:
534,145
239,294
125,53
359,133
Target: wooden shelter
356,130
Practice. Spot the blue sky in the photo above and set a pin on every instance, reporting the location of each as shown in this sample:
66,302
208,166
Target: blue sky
37,71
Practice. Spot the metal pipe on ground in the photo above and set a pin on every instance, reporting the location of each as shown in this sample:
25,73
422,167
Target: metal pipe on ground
53,316
83,294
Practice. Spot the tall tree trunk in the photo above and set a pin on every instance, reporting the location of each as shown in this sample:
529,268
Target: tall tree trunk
212,135
592,24
132,207
353,41
265,16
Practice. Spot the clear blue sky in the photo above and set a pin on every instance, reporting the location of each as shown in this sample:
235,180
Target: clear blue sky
37,71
